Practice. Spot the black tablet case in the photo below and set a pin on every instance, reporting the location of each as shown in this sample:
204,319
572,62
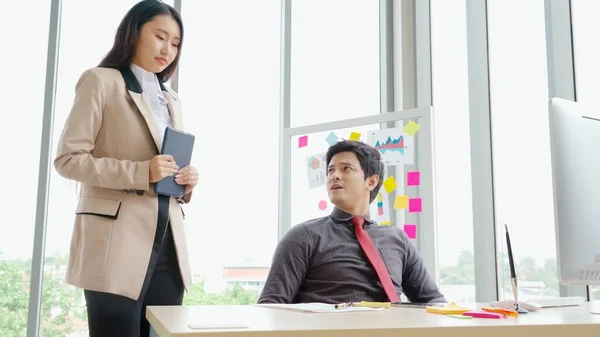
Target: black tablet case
180,145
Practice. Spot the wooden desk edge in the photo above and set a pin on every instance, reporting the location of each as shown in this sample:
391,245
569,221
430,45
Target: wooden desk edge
155,324
582,329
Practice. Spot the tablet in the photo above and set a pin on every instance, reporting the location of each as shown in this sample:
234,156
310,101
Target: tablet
180,145
417,305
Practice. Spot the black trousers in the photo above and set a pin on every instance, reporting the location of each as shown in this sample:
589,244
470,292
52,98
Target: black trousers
111,315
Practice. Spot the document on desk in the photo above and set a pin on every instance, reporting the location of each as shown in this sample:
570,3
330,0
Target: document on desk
317,307
450,309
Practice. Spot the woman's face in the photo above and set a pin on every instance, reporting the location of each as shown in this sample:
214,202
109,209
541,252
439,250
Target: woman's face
158,44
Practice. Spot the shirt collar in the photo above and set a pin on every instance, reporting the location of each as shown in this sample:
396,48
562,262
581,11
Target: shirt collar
148,81
340,215
142,75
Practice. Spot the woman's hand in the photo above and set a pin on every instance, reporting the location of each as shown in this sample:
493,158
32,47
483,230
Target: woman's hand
187,176
161,166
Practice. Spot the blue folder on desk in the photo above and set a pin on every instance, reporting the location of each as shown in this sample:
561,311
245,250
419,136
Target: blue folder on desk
180,145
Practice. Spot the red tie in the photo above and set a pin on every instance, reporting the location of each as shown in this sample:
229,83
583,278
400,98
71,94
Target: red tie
369,248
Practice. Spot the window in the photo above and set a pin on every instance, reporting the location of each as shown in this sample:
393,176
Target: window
585,39
80,25
521,145
586,55
25,75
334,61
452,149
229,89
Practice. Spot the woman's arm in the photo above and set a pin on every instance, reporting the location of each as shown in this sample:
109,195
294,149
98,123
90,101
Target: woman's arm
74,160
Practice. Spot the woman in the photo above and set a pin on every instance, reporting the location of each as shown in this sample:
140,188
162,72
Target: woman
128,248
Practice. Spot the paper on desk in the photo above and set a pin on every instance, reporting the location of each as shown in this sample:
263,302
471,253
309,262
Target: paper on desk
450,309
317,307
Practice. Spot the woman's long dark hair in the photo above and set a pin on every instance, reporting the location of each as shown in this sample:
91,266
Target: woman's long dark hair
126,38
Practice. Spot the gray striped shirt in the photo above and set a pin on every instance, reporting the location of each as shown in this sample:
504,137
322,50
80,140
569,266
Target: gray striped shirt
321,261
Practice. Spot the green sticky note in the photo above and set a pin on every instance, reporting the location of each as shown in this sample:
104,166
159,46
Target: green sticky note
460,316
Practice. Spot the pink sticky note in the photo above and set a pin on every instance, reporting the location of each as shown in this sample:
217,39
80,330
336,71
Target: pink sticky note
483,314
414,205
303,141
413,178
322,205
411,231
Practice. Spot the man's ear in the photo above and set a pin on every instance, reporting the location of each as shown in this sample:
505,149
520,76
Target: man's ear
372,182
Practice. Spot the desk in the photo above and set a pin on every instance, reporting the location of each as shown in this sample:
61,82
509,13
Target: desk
391,322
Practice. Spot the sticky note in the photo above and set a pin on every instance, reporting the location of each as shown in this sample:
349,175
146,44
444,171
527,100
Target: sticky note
389,184
401,202
483,314
414,205
411,128
411,231
302,141
332,138
413,178
354,136
450,309
322,205
385,223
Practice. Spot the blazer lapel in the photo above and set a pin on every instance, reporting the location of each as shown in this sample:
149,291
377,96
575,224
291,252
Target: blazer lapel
135,91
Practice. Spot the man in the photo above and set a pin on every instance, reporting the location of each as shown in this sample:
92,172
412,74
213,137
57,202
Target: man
346,256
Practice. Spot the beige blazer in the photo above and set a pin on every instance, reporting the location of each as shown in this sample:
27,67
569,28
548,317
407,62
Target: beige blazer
106,145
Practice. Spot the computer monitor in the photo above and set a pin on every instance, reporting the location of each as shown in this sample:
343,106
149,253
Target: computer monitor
575,153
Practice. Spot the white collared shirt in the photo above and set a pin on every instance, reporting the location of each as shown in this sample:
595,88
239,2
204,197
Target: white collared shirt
154,97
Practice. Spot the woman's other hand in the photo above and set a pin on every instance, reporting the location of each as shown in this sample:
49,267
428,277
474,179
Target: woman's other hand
162,165
187,176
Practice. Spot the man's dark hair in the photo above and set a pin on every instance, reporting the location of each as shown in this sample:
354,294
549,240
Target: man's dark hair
126,38
368,157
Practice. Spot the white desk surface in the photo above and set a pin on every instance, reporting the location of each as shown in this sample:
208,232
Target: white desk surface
406,322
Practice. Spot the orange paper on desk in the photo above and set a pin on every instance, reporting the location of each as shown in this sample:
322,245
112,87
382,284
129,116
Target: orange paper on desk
450,309
507,312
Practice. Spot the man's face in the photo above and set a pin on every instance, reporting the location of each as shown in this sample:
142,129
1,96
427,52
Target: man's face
346,184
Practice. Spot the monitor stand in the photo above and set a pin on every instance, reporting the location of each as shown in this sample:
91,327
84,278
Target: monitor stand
595,307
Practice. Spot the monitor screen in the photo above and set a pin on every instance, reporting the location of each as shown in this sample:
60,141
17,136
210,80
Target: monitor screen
575,153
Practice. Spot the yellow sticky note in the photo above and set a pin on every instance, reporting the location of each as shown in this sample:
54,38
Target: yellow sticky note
389,184
450,309
379,197
401,202
354,136
385,223
411,128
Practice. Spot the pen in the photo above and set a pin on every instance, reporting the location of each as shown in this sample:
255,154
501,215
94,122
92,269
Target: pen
364,305
513,273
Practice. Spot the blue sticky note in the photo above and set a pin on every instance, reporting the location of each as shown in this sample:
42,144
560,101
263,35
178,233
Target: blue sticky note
332,138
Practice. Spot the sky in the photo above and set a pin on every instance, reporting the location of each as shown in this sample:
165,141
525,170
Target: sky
229,80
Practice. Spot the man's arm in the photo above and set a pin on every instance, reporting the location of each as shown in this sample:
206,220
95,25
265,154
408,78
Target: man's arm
418,286
289,266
